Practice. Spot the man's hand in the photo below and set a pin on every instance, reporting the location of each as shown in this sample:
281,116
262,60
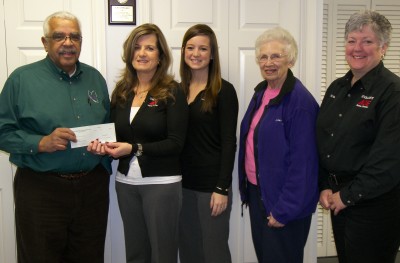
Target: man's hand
57,140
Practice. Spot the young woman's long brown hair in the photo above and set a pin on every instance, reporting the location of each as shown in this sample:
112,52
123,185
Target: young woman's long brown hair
214,80
162,82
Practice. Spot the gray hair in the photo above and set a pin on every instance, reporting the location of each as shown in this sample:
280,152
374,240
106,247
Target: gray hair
379,25
61,15
281,35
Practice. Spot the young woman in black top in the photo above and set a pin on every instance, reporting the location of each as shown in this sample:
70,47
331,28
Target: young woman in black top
209,151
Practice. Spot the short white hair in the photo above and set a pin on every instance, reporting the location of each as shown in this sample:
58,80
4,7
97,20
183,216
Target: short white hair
281,35
62,15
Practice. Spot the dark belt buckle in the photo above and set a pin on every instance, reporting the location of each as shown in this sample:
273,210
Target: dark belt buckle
73,176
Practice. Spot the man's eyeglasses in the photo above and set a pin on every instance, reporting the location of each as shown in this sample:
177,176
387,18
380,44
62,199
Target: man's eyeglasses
61,37
273,58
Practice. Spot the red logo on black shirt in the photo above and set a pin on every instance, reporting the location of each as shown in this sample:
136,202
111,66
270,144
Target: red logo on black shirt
153,102
365,102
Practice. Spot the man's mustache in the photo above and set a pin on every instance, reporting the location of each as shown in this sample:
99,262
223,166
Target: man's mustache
67,51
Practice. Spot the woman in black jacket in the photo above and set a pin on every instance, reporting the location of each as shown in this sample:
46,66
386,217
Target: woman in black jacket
150,114
358,135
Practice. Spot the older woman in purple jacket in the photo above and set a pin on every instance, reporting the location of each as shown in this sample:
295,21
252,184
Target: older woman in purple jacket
278,161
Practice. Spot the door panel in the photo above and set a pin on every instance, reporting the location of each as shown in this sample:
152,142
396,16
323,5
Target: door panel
24,29
176,16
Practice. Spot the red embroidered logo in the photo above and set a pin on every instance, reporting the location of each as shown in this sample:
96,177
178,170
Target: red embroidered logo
365,102
153,102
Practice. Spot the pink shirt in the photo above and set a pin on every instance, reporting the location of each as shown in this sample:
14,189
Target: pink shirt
249,162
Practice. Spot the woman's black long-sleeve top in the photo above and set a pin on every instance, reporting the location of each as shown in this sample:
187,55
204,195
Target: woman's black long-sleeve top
161,129
209,153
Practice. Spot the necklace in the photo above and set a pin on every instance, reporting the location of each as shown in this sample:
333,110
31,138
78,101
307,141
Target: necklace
141,94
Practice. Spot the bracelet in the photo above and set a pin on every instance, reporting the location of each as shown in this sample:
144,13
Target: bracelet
139,151
225,190
134,149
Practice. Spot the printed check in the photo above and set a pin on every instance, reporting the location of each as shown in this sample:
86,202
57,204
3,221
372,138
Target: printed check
86,134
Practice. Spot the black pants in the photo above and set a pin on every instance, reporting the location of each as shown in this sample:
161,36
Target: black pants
369,232
60,220
276,245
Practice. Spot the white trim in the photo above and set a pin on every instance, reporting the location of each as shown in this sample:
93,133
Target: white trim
143,11
3,47
99,36
310,45
310,71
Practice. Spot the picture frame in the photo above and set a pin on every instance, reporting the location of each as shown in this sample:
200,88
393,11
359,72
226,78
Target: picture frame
122,12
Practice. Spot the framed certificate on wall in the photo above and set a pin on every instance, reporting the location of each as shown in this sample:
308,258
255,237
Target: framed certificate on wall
122,12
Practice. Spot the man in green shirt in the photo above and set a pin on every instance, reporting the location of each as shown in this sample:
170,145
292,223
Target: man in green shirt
61,193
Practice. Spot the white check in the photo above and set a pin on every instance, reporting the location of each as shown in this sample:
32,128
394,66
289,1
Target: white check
87,134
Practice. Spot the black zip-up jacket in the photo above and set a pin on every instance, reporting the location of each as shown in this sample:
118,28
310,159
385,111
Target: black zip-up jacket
160,128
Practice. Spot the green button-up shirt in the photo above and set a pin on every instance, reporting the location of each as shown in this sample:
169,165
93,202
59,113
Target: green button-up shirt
38,98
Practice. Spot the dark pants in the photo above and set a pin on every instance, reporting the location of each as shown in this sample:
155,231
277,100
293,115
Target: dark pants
203,238
369,232
60,220
276,245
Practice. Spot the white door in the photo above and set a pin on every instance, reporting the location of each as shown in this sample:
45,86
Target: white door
237,25
20,32
7,239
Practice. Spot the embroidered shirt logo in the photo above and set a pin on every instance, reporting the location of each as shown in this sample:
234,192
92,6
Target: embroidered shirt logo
153,102
365,101
92,97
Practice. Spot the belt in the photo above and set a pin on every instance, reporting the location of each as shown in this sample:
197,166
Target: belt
72,176
66,176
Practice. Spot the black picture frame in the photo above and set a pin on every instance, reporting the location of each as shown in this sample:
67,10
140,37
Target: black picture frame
122,12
